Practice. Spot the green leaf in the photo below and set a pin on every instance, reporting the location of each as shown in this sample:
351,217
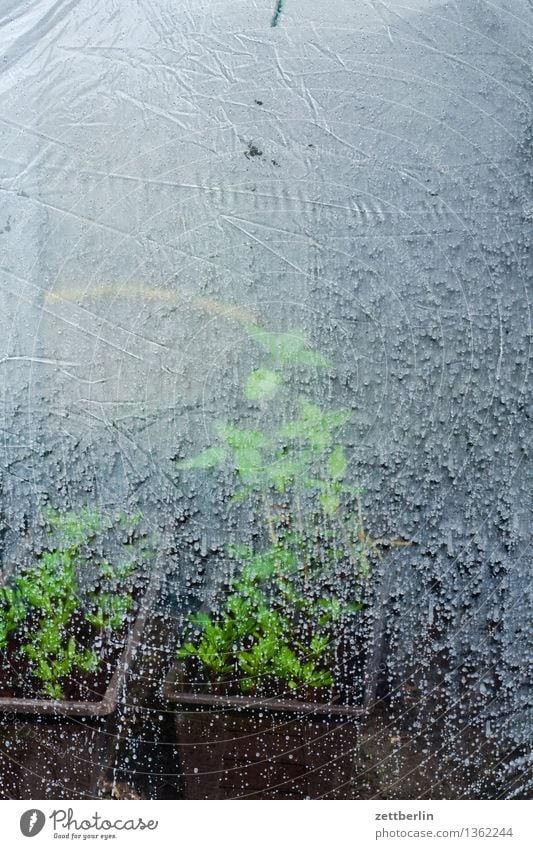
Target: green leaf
201,619
261,565
337,418
330,503
287,348
262,383
187,650
337,463
319,645
238,438
248,462
239,551
88,661
282,346
54,691
315,426
206,459
354,607
283,471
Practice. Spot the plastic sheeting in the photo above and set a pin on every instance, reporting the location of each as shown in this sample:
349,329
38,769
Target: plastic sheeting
361,170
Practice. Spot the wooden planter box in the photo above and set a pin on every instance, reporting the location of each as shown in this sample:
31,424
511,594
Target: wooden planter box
247,748
56,748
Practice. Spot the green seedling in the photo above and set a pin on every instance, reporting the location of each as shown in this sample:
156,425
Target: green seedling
47,603
281,621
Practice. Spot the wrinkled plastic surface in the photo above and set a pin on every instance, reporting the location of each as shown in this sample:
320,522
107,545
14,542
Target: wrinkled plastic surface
362,170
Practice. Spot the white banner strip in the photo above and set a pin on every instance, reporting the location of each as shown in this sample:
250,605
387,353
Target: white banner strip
268,825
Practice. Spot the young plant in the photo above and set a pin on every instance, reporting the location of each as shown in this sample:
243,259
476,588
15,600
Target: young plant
44,604
282,619
269,632
12,612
